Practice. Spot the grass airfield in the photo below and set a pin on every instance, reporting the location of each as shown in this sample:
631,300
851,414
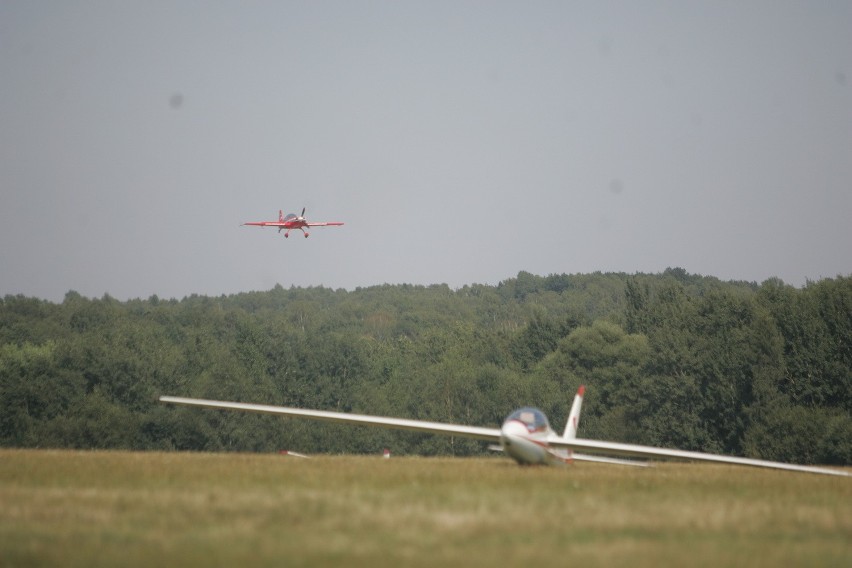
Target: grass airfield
194,509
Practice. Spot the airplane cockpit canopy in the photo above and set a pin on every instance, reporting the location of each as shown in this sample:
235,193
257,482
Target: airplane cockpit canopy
533,418
289,216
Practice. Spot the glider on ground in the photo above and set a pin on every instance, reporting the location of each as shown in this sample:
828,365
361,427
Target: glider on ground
292,221
525,436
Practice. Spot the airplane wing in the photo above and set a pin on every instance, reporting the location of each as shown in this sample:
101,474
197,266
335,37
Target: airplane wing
266,224
492,435
649,452
586,457
601,459
487,434
326,224
294,454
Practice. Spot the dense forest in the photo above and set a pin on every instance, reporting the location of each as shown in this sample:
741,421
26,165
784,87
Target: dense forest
671,359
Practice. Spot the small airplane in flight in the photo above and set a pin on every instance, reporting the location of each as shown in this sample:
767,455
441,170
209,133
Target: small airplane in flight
525,436
292,221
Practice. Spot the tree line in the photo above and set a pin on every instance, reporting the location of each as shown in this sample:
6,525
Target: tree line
670,359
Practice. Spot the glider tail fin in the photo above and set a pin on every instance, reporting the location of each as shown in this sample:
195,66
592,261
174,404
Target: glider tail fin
571,433
574,415
564,455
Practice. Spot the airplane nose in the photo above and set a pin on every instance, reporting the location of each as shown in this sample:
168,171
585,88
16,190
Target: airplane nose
513,428
516,442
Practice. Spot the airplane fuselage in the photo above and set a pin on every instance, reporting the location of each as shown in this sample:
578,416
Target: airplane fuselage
525,436
293,221
524,447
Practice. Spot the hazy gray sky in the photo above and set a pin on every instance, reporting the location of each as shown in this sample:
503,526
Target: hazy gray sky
460,142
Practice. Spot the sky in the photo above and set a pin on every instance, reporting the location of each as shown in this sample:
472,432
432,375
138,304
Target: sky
460,142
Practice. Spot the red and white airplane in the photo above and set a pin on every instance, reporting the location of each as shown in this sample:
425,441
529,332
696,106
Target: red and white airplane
525,436
292,221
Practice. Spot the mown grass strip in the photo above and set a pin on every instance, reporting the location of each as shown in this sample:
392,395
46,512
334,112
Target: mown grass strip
140,509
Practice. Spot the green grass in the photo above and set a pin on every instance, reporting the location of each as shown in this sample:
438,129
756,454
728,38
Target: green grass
154,509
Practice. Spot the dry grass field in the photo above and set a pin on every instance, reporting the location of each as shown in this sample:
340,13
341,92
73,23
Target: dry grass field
65,508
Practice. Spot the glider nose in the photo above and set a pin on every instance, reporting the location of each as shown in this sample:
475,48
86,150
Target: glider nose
516,442
513,429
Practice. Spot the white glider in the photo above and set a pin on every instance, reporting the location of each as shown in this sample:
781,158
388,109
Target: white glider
525,436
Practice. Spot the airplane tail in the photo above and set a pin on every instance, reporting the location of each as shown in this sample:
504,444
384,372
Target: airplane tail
574,415
571,433
566,455
280,216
